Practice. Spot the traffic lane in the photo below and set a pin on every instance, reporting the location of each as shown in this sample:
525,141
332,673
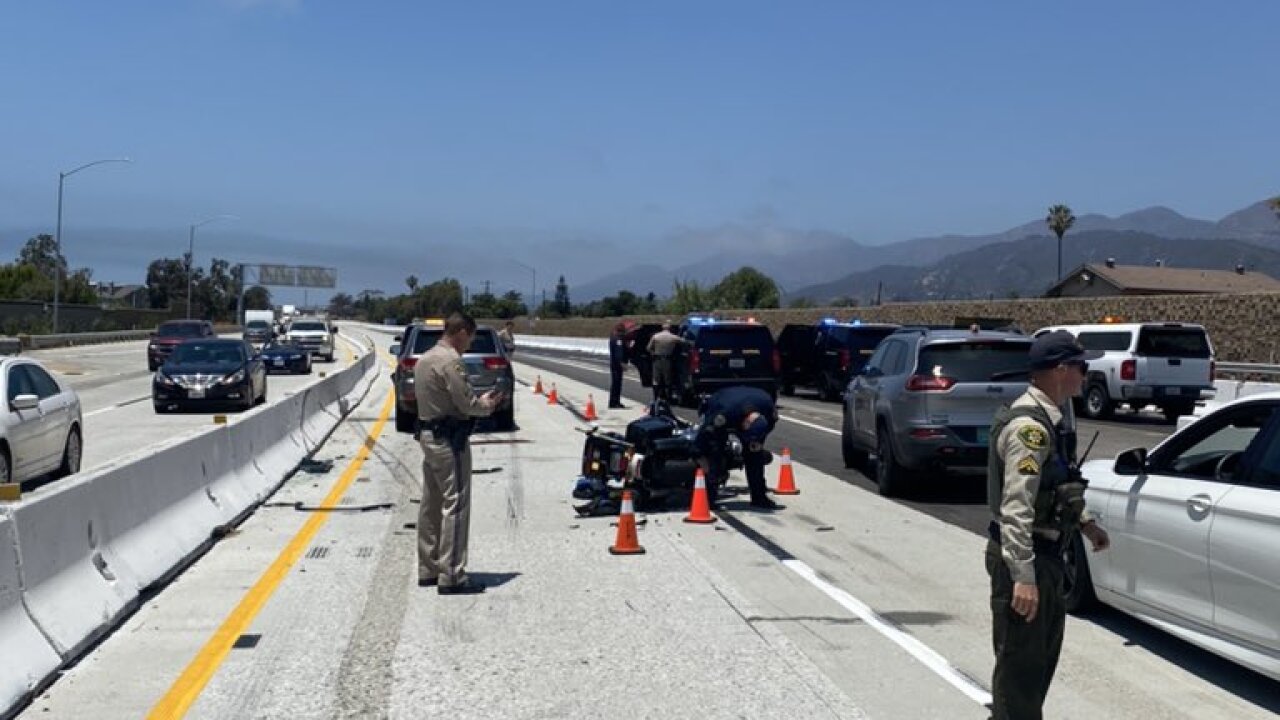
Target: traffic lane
89,367
830,560
130,423
811,430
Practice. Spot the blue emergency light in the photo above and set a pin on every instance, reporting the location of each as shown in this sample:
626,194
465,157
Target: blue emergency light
827,321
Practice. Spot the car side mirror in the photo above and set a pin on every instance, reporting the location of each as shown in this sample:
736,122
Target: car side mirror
1131,462
395,350
25,402
871,372
398,338
153,333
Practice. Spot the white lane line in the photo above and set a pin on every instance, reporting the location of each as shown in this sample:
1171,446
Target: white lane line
925,654
808,424
117,406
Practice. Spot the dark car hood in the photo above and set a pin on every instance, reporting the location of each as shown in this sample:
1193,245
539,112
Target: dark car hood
282,352
217,369
170,340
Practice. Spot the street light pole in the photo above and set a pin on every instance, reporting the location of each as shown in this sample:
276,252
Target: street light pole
533,289
191,252
57,236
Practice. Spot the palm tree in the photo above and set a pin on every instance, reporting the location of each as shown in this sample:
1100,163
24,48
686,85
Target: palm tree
1060,221
412,282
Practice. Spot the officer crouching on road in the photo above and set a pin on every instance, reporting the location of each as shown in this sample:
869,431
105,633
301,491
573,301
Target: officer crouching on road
748,413
446,411
1036,495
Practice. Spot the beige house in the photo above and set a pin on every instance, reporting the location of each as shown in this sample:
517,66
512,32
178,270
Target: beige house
1109,279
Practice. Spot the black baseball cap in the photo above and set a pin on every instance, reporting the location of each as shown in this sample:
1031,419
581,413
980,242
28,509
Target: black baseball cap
1058,348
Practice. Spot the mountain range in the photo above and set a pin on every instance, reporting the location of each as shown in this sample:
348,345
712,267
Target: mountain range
821,265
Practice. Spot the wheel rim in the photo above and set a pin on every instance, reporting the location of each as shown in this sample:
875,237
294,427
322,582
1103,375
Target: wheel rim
73,452
1095,400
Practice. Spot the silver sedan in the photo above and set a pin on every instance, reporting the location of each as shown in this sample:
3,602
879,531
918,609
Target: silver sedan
41,427
1195,533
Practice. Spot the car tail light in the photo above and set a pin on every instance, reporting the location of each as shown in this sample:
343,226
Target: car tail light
1129,370
1213,370
694,361
927,433
845,359
930,383
777,361
495,363
407,362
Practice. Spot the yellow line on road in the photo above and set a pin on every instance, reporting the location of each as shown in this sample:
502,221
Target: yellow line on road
187,688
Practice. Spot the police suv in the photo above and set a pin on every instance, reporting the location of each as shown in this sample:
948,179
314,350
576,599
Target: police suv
825,355
721,353
1168,365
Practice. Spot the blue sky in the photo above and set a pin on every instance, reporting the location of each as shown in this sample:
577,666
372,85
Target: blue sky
384,132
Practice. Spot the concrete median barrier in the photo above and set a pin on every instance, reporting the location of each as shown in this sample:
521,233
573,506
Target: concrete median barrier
26,657
76,555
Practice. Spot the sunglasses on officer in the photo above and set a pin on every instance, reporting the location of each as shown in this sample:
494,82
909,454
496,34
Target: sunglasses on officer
1083,365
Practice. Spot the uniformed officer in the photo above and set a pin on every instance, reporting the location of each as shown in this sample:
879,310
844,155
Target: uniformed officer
1036,496
750,414
617,359
662,347
446,408
507,335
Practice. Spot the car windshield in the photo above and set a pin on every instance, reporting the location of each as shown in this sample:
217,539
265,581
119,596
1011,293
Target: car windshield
210,353
308,327
179,330
734,338
974,361
425,339
862,338
1173,342
483,344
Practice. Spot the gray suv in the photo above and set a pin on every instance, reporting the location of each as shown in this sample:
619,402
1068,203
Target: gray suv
926,399
487,363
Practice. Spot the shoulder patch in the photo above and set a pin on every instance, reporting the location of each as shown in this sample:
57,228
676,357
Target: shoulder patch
1033,436
458,368
1028,466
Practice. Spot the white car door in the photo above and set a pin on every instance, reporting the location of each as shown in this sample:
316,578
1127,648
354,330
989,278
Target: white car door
25,427
57,408
1160,521
1243,547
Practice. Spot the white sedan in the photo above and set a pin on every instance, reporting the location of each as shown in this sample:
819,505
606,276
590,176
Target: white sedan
40,425
1195,533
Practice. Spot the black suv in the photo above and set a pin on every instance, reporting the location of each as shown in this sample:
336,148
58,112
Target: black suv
826,355
722,353
487,364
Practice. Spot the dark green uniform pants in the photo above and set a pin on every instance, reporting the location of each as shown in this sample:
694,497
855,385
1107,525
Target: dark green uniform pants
1026,652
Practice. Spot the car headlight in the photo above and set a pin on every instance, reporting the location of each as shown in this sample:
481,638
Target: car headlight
164,379
233,378
295,356
324,338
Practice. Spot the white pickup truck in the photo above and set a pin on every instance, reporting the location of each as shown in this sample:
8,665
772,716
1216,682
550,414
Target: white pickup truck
1168,365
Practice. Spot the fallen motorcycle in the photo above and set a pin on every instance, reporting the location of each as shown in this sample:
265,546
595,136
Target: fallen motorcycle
656,459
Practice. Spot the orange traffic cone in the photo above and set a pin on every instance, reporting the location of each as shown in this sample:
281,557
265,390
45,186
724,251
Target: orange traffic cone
627,542
786,478
590,412
552,397
537,388
700,507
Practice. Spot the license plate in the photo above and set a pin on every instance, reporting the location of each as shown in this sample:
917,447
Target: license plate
984,436
195,393
1173,391
737,363
279,362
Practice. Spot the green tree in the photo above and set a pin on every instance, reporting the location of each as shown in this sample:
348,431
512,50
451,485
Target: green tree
746,288
257,298
166,282
845,301
1060,220
412,282
561,303
41,252
687,297
342,305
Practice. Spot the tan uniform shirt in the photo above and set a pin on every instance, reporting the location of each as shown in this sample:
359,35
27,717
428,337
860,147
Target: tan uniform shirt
1024,445
664,343
440,384
508,340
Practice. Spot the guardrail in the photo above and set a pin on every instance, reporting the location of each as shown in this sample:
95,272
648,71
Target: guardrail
1247,369
14,345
